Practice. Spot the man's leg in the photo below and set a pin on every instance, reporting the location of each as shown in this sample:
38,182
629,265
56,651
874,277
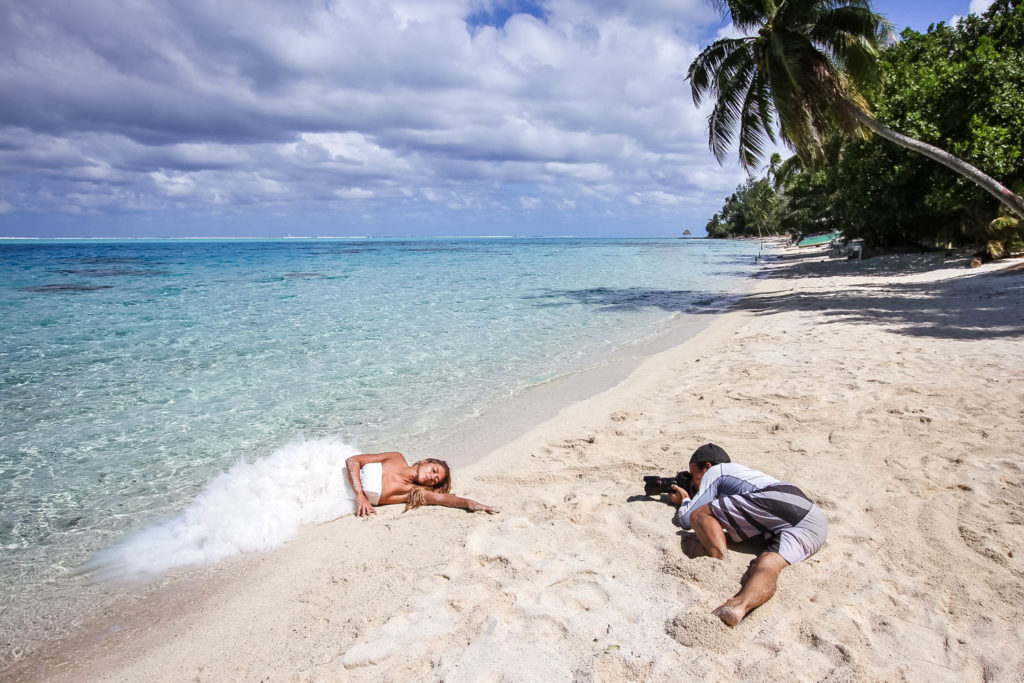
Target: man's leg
758,586
709,531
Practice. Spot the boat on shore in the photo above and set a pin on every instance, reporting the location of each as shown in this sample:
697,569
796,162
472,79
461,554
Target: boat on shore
815,240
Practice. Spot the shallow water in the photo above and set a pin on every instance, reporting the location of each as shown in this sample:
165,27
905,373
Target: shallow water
132,373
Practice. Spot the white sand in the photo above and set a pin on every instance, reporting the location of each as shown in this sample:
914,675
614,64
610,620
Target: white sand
890,390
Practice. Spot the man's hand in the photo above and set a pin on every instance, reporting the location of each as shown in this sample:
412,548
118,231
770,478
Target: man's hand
678,496
363,507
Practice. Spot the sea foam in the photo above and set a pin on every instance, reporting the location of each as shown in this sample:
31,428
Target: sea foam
254,506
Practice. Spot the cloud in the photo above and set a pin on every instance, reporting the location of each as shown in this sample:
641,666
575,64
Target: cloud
976,7
979,6
176,185
529,203
354,193
114,106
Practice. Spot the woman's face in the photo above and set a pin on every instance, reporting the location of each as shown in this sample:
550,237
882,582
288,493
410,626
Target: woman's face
429,474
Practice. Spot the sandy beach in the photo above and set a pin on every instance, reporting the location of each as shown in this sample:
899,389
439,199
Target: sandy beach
891,390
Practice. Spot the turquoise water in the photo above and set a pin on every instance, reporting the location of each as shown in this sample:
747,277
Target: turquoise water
132,373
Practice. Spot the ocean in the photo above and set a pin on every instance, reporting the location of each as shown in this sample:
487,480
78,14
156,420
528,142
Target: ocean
142,379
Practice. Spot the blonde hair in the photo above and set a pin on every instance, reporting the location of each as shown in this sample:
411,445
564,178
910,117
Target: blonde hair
418,493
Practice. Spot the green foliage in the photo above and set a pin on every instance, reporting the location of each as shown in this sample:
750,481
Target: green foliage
754,209
716,227
800,68
960,88
1006,236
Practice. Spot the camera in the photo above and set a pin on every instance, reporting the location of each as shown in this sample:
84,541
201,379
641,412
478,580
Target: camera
655,485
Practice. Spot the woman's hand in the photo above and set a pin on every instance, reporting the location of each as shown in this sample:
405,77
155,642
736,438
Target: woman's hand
480,507
678,496
363,507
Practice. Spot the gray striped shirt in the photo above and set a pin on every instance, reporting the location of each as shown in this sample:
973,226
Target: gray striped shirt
771,505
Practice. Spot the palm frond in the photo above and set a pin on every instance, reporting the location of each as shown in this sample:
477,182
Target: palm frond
793,13
800,73
704,72
766,106
745,14
860,21
725,116
784,58
798,120
739,62
752,131
852,36
787,171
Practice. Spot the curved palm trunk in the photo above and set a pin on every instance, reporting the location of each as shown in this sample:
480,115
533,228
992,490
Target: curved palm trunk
1012,201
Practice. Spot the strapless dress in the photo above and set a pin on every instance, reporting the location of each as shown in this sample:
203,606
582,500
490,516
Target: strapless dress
371,476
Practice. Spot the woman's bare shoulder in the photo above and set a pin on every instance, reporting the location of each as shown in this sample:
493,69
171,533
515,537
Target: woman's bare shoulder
390,458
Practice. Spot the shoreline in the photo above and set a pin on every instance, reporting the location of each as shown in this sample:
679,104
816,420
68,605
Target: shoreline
467,442
510,417
580,577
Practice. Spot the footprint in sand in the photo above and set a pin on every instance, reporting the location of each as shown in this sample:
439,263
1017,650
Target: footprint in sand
407,633
699,629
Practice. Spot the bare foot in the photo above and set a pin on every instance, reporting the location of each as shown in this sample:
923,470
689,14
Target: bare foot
730,614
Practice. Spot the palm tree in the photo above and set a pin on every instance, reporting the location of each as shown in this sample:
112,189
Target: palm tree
772,168
803,70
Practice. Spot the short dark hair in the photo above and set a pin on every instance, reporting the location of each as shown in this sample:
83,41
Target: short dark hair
711,453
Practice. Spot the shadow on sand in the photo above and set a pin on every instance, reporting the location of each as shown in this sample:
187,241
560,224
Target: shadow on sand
691,546
976,305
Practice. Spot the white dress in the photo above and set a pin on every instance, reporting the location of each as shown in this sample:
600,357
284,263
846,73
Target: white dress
371,476
254,506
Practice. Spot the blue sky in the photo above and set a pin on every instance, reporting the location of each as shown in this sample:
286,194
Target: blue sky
361,117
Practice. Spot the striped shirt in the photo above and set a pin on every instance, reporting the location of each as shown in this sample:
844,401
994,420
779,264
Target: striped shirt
772,505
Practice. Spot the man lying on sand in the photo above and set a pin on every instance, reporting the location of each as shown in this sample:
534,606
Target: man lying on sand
387,478
746,504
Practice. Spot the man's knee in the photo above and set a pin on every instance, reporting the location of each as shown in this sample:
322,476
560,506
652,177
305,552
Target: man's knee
771,561
701,514
709,530
703,518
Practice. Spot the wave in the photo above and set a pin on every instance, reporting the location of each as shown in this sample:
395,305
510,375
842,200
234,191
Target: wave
254,506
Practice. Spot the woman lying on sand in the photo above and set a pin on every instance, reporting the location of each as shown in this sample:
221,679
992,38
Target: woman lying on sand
387,478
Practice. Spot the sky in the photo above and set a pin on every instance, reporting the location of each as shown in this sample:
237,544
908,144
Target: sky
132,118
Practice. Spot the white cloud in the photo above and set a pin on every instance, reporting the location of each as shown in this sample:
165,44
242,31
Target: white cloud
354,193
654,198
979,6
976,7
174,185
122,107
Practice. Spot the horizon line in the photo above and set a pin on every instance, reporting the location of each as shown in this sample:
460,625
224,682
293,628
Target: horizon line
344,237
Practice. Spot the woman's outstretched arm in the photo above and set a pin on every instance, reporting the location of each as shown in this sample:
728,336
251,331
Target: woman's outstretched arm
450,501
355,463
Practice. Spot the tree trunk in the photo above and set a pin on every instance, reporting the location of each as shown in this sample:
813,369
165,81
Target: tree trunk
1012,201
